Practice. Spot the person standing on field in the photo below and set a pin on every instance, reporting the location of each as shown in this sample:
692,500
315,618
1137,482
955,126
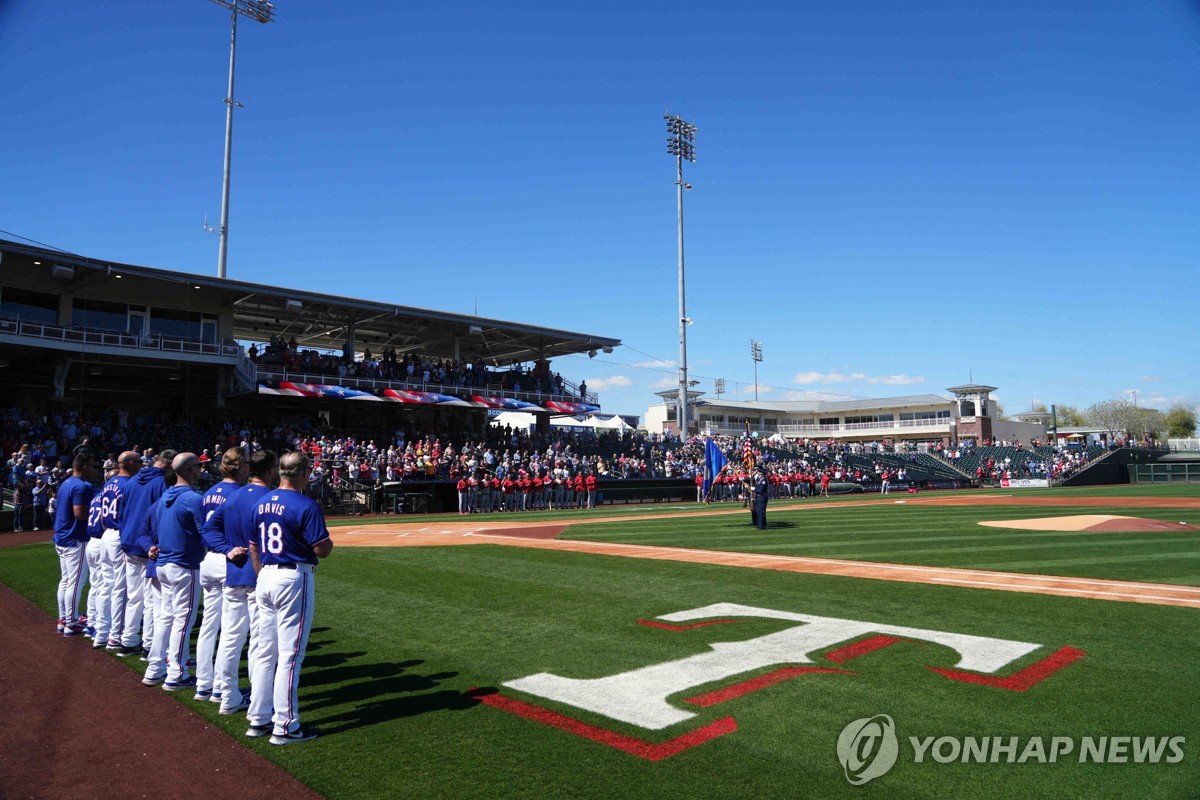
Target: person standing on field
289,537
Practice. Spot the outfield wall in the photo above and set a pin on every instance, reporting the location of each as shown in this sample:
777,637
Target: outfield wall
1188,472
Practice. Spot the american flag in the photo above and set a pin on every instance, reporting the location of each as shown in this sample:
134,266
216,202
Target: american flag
747,450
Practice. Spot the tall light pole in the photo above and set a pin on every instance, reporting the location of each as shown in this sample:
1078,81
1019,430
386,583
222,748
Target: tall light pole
756,355
260,11
681,137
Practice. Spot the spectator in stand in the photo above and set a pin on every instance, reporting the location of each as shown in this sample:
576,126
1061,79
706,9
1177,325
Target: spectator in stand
41,504
22,500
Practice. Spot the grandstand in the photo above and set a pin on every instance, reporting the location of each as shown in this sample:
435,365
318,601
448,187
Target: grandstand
77,331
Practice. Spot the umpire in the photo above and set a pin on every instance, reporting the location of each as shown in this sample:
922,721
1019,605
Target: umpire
760,488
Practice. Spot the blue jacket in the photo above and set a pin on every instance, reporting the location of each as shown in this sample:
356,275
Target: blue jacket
174,526
139,495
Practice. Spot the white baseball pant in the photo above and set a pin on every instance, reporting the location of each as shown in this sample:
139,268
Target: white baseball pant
110,619
96,588
73,568
285,613
212,586
180,588
239,617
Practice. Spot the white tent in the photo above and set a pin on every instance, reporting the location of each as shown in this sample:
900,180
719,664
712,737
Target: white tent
516,419
613,424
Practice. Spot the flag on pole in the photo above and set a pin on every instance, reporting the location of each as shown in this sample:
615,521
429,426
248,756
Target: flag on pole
714,462
747,450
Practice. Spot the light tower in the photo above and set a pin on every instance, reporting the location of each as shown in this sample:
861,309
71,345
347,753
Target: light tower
259,11
681,137
756,356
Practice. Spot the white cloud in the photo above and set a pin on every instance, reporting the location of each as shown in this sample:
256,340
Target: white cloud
765,389
807,378
655,364
810,395
608,383
897,380
665,383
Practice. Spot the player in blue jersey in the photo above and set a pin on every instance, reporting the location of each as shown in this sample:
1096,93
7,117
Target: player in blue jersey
92,550
175,546
142,593
228,531
70,536
212,576
110,612
289,536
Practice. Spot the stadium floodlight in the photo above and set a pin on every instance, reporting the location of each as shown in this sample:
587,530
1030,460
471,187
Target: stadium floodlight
719,387
755,356
259,11
681,144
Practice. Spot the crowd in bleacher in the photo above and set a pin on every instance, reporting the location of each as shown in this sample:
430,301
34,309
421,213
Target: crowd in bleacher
40,446
409,367
1005,460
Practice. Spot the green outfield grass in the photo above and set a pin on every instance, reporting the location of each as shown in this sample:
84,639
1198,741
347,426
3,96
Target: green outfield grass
402,635
930,535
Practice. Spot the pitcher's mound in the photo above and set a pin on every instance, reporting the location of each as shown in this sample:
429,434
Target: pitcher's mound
1091,522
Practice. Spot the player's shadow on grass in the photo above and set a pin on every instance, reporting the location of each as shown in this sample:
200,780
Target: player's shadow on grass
380,692
334,672
320,660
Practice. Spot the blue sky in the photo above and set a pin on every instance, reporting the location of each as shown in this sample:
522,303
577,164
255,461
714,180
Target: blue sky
891,197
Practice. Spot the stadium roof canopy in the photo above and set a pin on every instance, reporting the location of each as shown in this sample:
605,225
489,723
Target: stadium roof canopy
324,321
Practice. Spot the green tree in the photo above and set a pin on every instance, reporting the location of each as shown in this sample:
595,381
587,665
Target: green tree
1070,416
1181,421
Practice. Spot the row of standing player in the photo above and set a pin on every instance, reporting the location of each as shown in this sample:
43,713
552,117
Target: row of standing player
483,494
152,543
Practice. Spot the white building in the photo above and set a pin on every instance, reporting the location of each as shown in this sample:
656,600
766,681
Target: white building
928,418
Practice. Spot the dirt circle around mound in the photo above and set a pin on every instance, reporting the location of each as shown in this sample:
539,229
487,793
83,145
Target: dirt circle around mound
1091,523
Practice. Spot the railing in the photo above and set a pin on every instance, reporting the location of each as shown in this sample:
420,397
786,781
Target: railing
15,326
247,372
858,427
271,374
1184,445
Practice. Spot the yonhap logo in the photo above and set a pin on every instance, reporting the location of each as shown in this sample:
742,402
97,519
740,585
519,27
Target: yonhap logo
868,748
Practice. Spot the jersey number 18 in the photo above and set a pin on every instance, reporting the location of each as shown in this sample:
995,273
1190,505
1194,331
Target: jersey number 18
271,537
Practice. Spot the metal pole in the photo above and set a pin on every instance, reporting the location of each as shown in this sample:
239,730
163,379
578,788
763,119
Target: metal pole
683,379
224,246
756,380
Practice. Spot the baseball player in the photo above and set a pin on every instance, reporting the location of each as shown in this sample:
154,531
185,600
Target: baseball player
92,551
70,536
141,592
212,575
290,535
228,531
174,525
110,612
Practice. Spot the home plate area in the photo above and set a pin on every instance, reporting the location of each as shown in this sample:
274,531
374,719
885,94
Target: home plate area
1095,523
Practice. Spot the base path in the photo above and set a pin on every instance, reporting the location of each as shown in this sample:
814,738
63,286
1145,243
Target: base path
524,530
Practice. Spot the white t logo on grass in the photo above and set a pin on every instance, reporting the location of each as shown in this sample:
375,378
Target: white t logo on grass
640,696
868,748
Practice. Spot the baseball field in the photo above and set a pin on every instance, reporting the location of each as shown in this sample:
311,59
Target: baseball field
1035,643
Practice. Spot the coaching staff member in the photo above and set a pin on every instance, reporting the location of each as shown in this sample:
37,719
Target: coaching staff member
289,536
